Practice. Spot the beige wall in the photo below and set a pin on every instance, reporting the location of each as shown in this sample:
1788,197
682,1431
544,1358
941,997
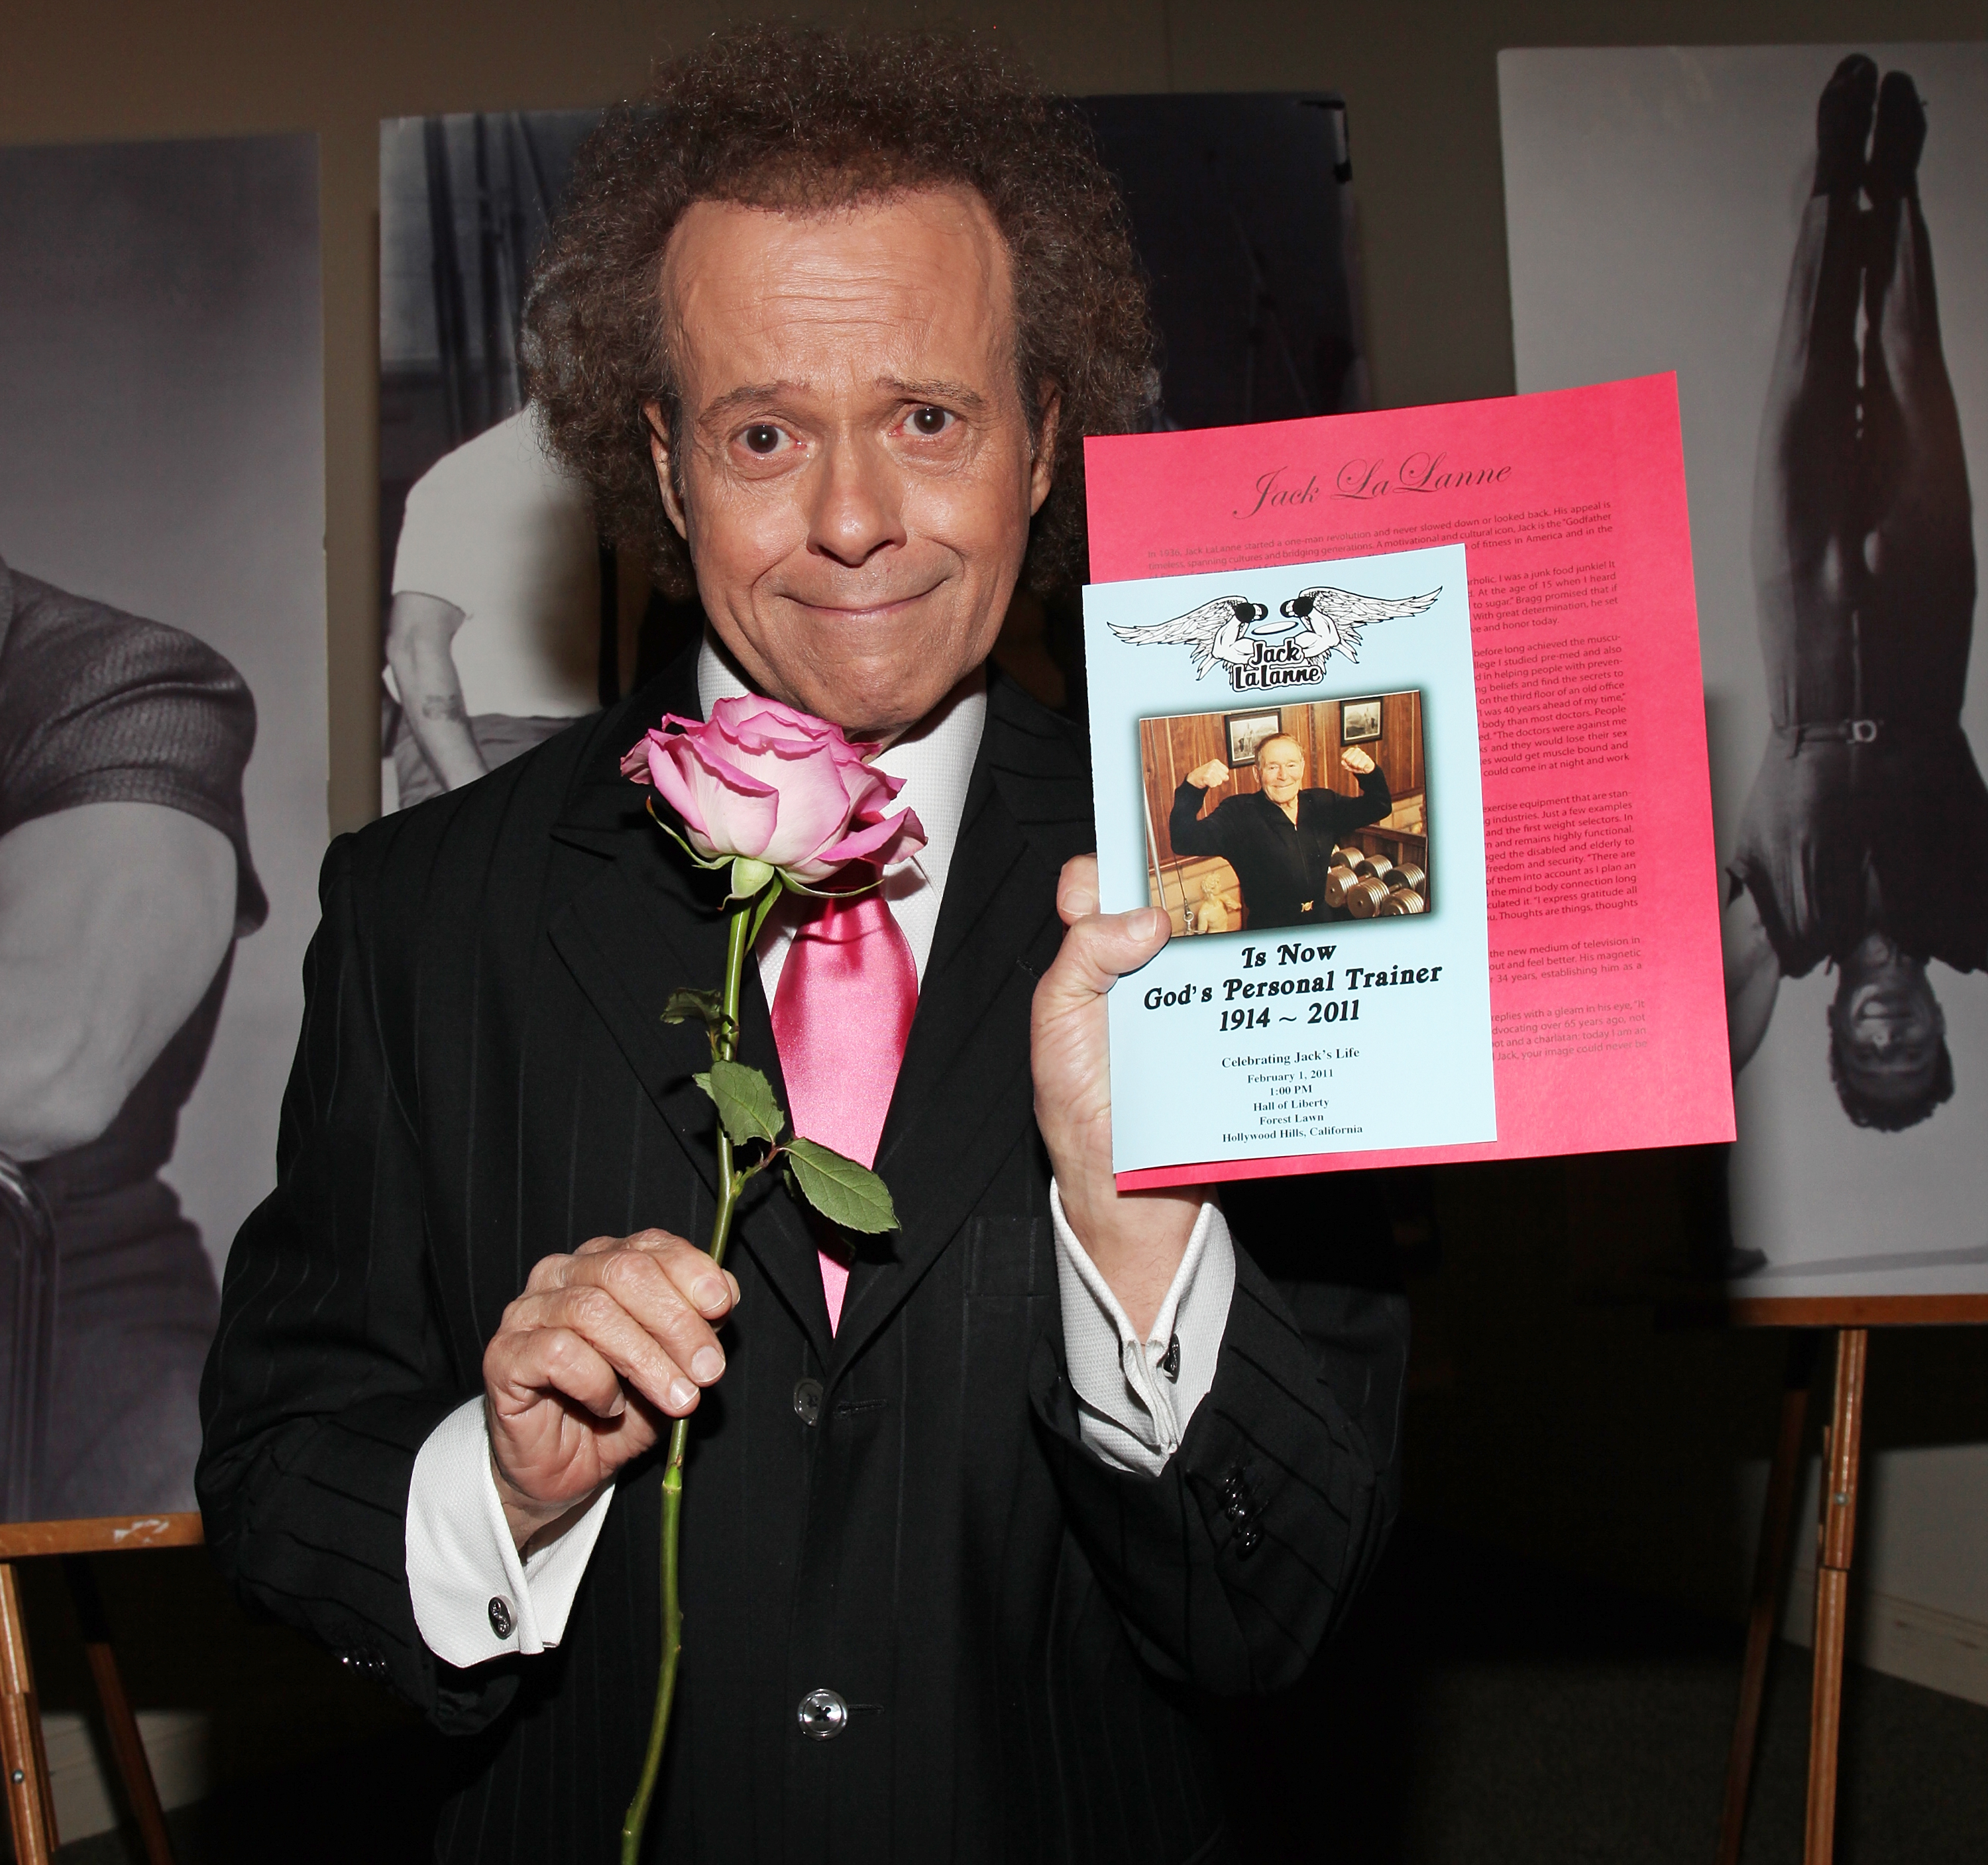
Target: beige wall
1420,80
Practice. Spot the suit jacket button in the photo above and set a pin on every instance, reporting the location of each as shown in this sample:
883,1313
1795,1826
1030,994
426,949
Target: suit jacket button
823,1715
501,1620
807,1408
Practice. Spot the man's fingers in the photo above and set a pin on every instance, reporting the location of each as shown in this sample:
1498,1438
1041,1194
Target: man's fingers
560,1359
665,1357
1077,888
622,1328
641,1240
714,1291
1098,950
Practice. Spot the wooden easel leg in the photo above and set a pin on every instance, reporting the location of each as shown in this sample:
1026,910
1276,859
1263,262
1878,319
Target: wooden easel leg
30,1805
1836,1535
1770,1570
134,1769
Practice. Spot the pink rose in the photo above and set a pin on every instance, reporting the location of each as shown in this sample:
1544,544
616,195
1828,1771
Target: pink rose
761,783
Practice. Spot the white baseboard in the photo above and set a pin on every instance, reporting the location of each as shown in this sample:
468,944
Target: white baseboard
1900,1637
176,1744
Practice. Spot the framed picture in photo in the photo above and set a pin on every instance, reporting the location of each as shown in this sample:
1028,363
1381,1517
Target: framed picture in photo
1246,730
1359,721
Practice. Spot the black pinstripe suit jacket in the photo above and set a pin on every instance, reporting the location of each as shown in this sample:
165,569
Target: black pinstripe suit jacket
1026,1634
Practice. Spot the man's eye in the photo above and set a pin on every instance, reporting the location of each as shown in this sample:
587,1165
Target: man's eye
929,422
762,438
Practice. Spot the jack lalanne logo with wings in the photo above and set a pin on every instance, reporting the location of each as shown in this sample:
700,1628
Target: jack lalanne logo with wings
1314,625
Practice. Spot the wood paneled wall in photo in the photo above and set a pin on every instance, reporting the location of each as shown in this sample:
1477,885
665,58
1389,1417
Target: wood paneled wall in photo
1169,748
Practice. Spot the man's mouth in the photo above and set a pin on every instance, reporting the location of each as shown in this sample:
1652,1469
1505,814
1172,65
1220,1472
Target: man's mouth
879,608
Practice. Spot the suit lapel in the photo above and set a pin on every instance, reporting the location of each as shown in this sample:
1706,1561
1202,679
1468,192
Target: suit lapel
645,924
964,1096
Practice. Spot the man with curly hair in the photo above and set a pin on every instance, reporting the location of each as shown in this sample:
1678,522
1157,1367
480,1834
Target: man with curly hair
977,1521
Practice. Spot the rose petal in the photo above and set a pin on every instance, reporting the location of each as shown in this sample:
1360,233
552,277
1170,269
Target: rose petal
814,807
869,789
635,759
725,811
878,843
768,722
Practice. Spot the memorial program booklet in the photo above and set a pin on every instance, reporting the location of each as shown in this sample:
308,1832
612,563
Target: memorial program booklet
1601,908
1286,763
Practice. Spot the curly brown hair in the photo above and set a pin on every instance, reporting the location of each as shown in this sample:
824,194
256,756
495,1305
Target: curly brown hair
811,118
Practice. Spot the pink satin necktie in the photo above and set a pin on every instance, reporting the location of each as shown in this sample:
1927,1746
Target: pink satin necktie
842,1012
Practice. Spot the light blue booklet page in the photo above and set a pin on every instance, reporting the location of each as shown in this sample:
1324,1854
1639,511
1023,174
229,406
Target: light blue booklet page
1286,763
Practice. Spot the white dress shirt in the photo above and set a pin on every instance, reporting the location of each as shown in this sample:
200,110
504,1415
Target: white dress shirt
475,1597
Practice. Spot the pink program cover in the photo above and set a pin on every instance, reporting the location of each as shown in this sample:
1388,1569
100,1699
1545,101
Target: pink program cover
1609,1017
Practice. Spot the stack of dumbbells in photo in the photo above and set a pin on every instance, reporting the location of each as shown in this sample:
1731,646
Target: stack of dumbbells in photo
1372,887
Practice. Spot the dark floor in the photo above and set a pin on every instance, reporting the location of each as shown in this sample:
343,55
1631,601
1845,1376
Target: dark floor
1481,1711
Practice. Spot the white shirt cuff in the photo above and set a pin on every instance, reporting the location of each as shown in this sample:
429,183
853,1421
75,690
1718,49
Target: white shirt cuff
473,1597
1135,1398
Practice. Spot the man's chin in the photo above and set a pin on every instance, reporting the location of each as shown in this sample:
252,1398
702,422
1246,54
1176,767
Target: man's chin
879,705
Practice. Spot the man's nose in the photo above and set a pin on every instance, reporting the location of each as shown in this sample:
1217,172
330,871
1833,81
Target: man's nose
857,508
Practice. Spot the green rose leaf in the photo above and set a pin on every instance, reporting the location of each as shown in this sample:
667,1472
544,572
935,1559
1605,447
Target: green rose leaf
844,1192
745,1103
707,1007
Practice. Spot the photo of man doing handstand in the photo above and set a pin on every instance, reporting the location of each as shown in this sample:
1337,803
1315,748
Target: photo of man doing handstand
1864,842
1279,840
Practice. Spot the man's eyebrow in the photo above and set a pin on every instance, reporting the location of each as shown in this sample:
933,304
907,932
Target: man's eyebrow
957,392
758,395
747,395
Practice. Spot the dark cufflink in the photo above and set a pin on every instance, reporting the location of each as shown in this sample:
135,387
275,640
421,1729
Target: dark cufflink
1170,1360
501,1622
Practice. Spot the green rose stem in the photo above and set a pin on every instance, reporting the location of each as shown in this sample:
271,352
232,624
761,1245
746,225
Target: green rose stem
724,1035
843,1191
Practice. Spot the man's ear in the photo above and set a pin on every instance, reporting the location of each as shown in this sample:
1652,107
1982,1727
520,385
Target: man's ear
666,467
1042,464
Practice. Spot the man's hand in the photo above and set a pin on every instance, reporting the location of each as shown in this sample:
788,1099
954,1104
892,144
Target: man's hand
1137,1239
1353,759
1209,776
603,1347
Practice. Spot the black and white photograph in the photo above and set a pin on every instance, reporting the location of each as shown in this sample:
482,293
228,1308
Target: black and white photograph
1801,233
162,773
1246,730
503,619
1359,721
